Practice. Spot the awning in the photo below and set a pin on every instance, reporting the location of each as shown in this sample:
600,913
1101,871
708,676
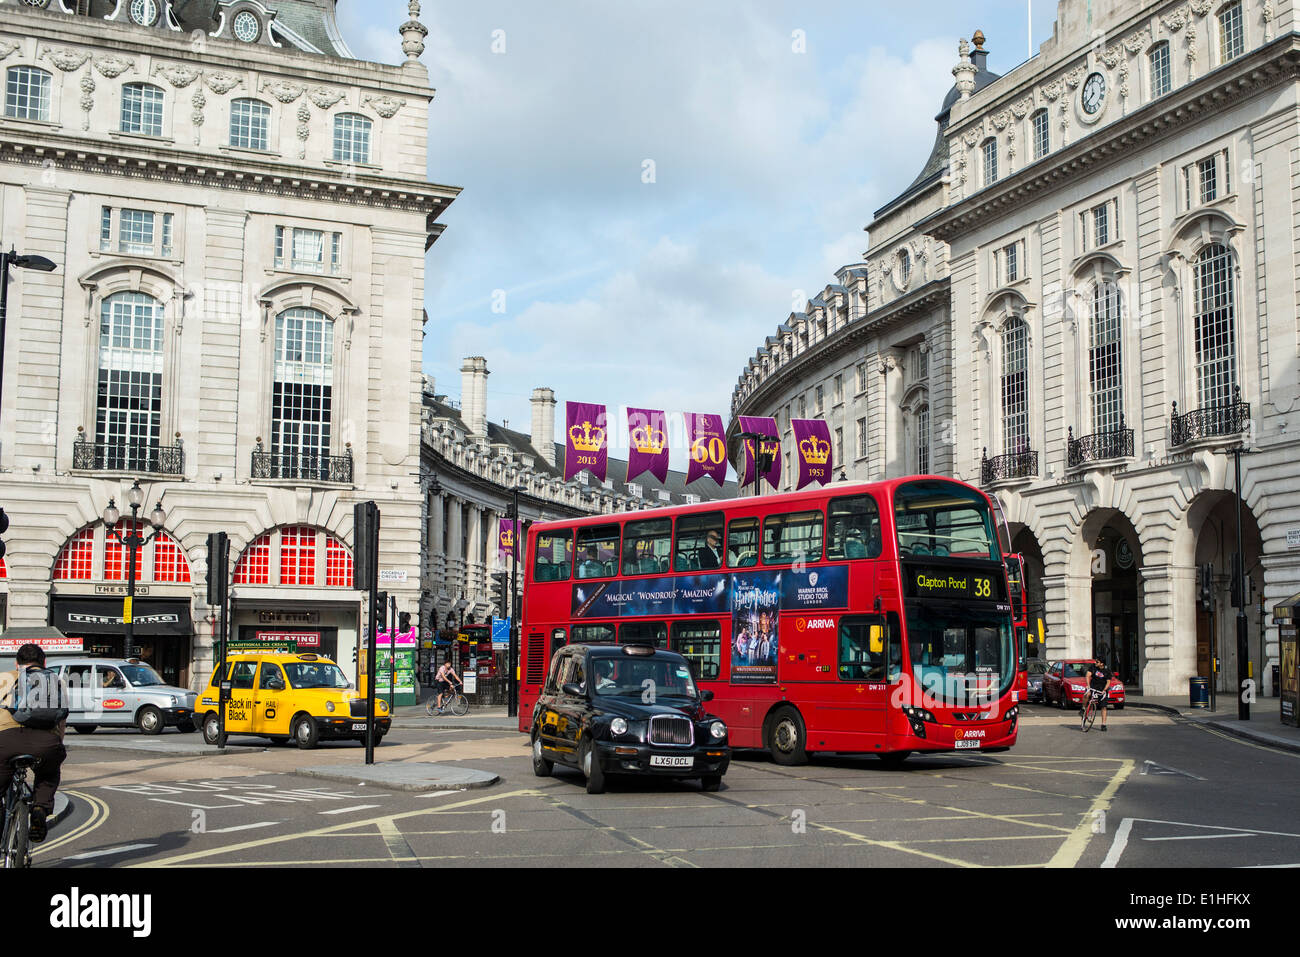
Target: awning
103,616
1286,611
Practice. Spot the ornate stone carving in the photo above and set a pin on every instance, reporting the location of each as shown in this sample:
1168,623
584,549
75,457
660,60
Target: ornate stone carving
1051,91
1074,77
1201,7
1111,57
65,58
7,47
964,72
1138,41
112,66
1267,12
972,136
1191,54
177,76
304,130
198,101
87,98
284,92
1019,110
324,98
222,83
385,106
1176,19
1001,120
413,32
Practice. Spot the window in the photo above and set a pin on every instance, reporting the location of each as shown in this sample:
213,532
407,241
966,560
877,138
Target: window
990,162
1232,35
838,389
169,565
648,632
839,445
923,440
1209,180
1042,134
792,537
598,551
135,233
904,268
295,552
351,138
803,407
862,437
934,517
1215,327
27,93
254,565
310,250
582,634
700,643
249,123
105,229
742,542
298,556
1161,79
1015,386
854,528
338,564
646,546
553,559
1011,262
242,675
270,674
693,550
1206,180
302,392
862,649
128,405
142,109
1101,225
821,399
116,558
76,561
862,377
1105,358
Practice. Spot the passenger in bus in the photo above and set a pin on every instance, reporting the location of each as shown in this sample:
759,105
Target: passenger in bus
710,555
591,566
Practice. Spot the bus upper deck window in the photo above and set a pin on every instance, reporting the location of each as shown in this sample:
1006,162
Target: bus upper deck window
855,528
554,557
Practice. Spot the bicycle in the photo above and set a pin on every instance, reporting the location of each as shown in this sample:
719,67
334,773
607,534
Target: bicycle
15,851
453,701
1090,709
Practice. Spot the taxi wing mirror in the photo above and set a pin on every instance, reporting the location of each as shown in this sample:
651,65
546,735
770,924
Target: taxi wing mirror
571,689
706,695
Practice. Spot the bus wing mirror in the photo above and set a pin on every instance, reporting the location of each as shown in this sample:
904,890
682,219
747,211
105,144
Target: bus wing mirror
876,637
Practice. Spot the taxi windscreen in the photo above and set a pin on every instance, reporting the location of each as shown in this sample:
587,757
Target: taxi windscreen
303,674
639,678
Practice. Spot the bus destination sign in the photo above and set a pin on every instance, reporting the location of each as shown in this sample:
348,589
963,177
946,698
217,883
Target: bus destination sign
922,582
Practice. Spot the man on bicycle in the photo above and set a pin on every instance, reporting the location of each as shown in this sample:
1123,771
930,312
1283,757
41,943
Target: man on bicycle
15,739
1099,678
444,680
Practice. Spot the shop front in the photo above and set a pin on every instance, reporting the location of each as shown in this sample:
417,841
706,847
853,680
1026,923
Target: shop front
162,630
323,628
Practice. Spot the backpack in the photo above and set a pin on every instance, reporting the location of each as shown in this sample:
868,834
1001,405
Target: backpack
39,699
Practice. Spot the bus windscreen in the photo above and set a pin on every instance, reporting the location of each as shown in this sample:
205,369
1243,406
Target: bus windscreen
940,519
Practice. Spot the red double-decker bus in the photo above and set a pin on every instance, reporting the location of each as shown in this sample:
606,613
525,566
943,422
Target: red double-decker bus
869,618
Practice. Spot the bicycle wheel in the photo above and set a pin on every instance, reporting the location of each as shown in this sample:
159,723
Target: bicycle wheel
14,846
429,708
1089,714
459,705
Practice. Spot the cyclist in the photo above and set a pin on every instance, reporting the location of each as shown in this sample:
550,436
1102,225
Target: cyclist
15,739
1099,678
443,681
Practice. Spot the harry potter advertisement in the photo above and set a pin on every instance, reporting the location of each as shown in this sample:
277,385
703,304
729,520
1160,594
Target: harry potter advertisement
755,609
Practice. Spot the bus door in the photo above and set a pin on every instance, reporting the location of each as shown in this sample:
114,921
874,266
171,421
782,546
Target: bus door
861,695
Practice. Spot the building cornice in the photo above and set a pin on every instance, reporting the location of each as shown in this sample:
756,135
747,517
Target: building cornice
1267,66
842,342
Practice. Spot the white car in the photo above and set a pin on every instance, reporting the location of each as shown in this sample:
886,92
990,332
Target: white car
123,692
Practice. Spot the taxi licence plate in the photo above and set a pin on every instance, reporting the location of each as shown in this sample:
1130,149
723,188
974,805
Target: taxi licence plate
670,761
965,744
359,727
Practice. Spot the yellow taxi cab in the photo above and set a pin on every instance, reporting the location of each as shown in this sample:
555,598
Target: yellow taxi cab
286,696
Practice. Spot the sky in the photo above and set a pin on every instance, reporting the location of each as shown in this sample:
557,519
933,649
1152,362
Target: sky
650,188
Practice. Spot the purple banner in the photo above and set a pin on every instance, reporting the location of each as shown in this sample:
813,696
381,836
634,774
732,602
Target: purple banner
585,445
812,439
706,437
647,431
753,423
507,537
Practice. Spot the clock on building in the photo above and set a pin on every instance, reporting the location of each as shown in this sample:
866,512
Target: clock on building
247,27
1094,94
144,12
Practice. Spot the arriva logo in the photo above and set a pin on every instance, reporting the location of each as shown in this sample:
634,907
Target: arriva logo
814,624
970,734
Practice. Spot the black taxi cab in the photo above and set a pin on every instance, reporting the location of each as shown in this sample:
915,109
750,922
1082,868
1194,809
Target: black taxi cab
304,698
628,709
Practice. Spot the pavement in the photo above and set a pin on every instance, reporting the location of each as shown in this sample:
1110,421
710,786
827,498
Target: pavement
1263,727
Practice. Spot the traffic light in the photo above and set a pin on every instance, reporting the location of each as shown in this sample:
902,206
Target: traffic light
4,527
501,594
218,569
403,622
1205,587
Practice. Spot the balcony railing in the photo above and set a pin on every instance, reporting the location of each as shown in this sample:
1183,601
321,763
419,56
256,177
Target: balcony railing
128,457
1015,465
297,465
1229,418
1112,444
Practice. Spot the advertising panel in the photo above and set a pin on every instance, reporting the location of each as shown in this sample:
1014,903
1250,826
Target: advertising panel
755,606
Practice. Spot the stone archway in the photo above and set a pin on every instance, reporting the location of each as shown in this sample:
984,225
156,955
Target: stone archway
1117,620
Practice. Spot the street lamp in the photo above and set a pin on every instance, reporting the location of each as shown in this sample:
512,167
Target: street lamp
133,541
8,259
512,657
762,457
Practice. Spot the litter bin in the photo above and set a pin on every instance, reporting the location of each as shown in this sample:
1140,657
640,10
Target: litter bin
1200,692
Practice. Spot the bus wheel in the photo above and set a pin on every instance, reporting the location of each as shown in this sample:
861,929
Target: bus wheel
894,759
786,737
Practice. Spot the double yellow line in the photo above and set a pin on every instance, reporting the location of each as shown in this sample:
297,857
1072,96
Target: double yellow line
98,815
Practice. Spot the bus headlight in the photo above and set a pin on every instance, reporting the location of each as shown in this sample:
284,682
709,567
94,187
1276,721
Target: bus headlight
618,726
919,714
718,730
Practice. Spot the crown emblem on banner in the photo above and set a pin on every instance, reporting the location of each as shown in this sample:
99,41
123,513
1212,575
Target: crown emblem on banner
814,450
588,438
649,440
508,538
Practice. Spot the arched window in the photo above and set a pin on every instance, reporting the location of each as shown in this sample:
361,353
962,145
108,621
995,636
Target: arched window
302,393
142,109
1215,324
990,161
295,555
1158,61
1042,134
1015,386
128,409
27,93
923,440
249,124
76,561
1105,358
161,561
351,138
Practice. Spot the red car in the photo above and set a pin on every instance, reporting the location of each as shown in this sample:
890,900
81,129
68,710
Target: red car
1065,682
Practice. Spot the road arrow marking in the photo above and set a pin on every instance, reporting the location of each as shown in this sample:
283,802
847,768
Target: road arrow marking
1161,769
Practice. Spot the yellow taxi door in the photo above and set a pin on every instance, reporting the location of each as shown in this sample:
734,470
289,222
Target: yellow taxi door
269,707
239,713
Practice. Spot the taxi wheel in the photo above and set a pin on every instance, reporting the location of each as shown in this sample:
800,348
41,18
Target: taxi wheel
186,727
149,720
541,767
712,782
592,769
211,729
786,737
85,728
304,733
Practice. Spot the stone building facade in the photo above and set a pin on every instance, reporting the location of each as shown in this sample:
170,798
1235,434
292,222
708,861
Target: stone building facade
1114,311
239,211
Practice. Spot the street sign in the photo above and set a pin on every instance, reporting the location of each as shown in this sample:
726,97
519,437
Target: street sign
392,575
